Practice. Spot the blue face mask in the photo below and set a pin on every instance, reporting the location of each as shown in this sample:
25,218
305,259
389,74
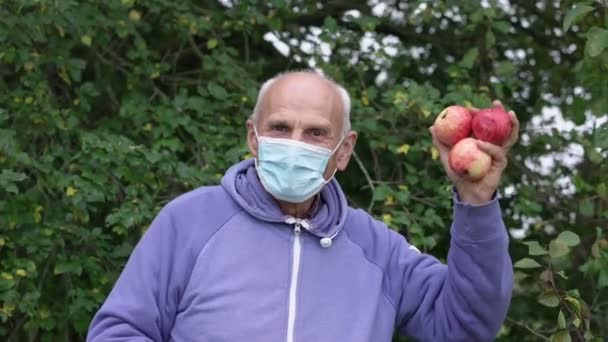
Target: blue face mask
291,170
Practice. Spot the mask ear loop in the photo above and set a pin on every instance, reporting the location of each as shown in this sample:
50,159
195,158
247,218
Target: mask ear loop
339,144
255,131
330,155
326,242
257,138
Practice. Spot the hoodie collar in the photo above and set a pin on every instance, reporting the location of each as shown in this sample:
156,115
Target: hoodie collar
327,215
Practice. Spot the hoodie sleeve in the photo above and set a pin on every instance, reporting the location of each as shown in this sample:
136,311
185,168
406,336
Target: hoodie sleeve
142,305
465,300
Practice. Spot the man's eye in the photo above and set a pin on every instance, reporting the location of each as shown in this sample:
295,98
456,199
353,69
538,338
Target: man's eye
318,133
279,128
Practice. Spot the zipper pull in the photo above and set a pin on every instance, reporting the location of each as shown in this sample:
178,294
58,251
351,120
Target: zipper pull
297,228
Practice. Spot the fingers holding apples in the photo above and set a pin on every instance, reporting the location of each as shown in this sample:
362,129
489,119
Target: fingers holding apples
469,140
514,136
497,153
443,150
514,123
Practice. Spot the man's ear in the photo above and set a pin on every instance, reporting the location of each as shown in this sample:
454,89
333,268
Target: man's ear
252,140
346,150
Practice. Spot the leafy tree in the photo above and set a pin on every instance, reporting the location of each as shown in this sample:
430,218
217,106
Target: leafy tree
110,109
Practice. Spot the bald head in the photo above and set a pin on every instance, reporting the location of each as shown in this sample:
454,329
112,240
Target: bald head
304,89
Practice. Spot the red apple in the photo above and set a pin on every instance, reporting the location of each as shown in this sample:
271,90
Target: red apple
492,125
453,124
465,158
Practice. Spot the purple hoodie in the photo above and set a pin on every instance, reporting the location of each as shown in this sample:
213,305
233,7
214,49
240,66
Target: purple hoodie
222,263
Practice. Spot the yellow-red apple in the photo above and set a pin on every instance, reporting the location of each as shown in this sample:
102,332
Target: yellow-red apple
465,158
453,124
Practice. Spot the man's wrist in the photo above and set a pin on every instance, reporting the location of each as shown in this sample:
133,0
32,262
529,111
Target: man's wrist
474,197
474,223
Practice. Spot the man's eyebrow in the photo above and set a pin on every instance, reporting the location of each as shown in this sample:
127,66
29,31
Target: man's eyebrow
326,127
277,121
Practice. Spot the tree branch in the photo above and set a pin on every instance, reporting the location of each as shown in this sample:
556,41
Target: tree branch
525,326
367,177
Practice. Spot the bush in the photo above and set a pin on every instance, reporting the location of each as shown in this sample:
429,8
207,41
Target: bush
110,109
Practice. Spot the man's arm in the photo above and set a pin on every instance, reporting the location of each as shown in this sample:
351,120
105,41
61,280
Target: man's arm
142,304
468,299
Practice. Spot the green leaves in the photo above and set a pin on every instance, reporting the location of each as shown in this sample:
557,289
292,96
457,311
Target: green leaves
597,41
212,43
558,248
549,298
102,123
534,248
526,263
330,24
68,267
217,91
569,238
601,136
586,208
367,23
469,58
562,336
86,40
575,14
9,180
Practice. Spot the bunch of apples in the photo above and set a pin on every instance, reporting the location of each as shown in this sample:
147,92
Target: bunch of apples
458,127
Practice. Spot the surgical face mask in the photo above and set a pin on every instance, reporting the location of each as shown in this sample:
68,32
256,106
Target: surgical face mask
291,170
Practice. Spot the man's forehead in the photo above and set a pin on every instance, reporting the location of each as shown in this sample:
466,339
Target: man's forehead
304,91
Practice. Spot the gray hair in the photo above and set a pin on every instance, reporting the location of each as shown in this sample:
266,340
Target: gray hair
341,91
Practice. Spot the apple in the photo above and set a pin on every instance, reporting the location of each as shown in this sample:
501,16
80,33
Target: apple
492,125
465,158
453,124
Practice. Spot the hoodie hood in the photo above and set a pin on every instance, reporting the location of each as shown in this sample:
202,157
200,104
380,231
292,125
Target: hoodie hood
242,183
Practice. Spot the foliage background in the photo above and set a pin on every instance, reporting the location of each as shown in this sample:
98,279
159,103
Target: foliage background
108,109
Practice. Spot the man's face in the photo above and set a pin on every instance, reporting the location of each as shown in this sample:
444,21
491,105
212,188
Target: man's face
307,108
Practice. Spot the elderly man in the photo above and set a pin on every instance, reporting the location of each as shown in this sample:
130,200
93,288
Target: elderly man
276,254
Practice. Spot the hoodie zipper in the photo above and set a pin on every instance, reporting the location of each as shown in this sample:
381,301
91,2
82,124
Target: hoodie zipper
295,270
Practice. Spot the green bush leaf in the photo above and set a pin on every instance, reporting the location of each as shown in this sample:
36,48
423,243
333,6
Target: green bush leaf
561,320
597,41
603,278
211,43
549,299
586,208
602,191
558,248
575,14
67,267
534,248
575,304
562,336
12,176
527,263
217,91
571,239
469,58
601,136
